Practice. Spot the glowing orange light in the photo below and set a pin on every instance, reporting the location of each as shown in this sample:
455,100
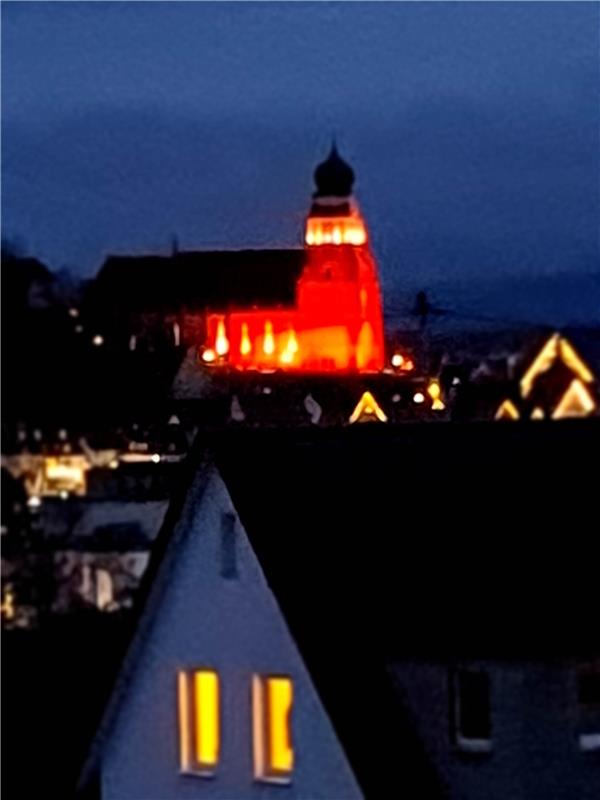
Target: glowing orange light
245,343
408,365
206,702
272,700
221,341
575,402
291,348
574,362
268,340
184,721
335,231
556,347
199,720
64,473
365,345
367,408
434,390
7,607
280,706
507,410
541,363
209,355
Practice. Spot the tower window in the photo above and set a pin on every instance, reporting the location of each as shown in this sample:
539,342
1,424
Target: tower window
272,699
470,710
199,721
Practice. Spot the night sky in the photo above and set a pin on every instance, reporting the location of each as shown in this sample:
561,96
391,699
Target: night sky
473,129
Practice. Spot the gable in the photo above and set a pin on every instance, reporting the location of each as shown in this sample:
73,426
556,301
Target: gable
215,611
507,410
368,410
575,402
556,348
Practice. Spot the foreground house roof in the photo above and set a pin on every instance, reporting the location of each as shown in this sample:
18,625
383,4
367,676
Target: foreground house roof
438,541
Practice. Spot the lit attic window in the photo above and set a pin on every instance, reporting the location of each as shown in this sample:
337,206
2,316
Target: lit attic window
272,699
199,721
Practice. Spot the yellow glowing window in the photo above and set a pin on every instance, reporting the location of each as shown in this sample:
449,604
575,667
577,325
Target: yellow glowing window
272,700
64,474
199,721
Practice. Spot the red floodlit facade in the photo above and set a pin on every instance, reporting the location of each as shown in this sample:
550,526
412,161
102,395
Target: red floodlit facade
336,323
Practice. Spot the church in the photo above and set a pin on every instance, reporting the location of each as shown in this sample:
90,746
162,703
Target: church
336,322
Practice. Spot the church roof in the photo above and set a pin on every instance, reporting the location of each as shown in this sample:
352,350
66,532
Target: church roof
199,279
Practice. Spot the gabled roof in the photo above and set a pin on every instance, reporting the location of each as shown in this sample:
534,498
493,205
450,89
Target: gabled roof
440,542
216,279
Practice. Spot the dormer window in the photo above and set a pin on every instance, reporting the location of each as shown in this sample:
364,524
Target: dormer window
470,709
199,721
588,696
272,699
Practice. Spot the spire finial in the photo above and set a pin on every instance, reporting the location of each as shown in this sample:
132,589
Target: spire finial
334,149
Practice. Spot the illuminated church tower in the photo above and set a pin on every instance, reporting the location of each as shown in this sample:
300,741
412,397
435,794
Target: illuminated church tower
338,293
336,324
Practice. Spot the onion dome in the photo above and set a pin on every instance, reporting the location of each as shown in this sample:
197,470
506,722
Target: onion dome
333,177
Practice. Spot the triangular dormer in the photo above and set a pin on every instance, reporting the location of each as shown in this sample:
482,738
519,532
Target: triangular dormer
577,401
368,410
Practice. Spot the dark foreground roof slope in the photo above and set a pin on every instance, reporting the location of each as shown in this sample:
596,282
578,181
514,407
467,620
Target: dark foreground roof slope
443,541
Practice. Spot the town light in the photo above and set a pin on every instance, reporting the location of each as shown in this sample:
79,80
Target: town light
418,397
434,391
397,360
209,355
98,340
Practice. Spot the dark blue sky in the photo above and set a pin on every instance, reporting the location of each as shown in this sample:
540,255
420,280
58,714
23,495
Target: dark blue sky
473,129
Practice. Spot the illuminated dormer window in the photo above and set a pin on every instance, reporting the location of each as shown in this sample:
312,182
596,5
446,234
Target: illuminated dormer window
199,721
272,699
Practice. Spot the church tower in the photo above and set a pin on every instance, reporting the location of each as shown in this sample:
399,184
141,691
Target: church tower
338,293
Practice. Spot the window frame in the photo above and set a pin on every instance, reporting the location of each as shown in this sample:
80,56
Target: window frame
264,770
476,745
188,723
588,709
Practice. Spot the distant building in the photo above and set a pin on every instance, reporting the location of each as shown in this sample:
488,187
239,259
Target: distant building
557,384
